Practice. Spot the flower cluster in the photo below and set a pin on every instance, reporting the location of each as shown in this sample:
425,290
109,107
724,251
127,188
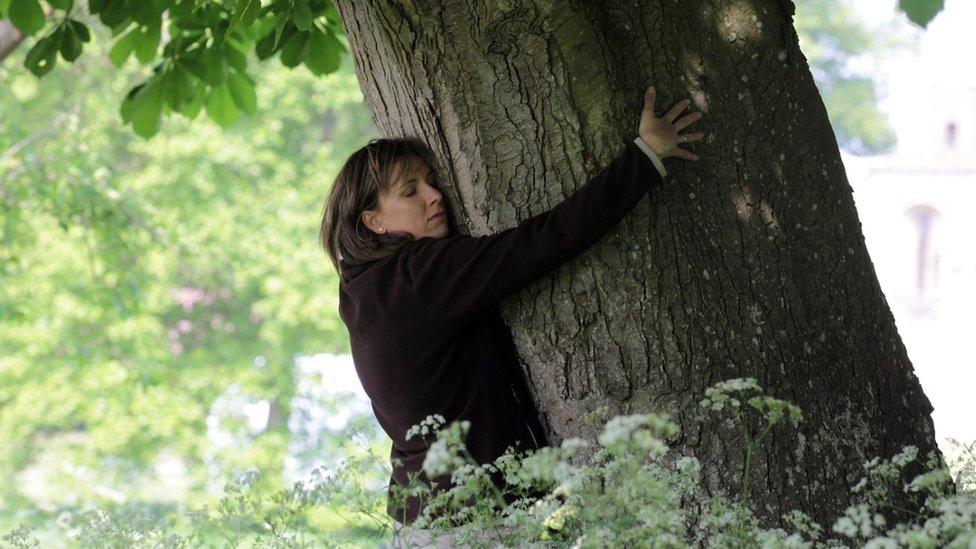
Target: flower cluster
428,425
631,489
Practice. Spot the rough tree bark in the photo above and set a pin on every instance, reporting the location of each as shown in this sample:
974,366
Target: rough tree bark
749,263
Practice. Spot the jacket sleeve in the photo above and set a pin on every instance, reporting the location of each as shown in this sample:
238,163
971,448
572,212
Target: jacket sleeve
458,276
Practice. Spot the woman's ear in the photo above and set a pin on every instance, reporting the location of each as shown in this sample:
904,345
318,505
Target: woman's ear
371,220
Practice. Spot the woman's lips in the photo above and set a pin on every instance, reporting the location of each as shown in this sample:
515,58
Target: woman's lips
437,216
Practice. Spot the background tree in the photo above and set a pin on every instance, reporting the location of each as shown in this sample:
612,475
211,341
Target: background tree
831,36
141,282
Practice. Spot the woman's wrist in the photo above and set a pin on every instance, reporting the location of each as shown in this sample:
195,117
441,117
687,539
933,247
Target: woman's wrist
649,151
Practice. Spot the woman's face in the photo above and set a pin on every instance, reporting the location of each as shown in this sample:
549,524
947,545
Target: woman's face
411,204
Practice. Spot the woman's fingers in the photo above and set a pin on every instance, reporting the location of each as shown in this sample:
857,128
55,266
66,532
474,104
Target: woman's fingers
667,134
676,110
649,97
684,138
686,120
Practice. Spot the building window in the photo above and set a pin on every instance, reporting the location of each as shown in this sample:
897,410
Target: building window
925,219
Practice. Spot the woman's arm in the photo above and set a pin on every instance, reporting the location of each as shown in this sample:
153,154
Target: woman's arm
462,275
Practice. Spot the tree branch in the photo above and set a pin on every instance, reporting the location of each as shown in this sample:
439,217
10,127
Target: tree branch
10,39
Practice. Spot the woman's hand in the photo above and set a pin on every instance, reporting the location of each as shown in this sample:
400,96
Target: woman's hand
661,134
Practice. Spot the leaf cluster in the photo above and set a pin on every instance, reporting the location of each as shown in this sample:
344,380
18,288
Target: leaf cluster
199,49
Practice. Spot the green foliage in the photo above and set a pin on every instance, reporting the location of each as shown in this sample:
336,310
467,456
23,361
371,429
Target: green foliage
631,491
921,12
204,59
139,281
26,15
831,35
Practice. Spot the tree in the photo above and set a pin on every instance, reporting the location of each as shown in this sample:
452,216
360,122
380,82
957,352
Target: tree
831,34
140,280
754,267
749,263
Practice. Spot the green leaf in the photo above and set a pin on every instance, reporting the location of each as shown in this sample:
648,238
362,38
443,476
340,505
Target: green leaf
62,4
235,58
80,29
280,22
294,50
178,87
265,47
302,15
114,13
147,12
220,106
147,110
324,53
192,108
147,42
26,15
143,106
331,14
123,47
128,104
42,57
121,27
242,90
245,13
216,69
195,67
921,12
96,6
70,44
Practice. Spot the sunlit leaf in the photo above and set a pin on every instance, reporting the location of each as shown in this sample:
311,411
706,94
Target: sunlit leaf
220,106
242,90
123,47
26,15
147,42
324,53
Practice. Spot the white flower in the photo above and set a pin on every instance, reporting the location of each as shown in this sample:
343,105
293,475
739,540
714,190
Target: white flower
906,456
618,429
845,527
439,459
573,444
881,543
858,522
428,425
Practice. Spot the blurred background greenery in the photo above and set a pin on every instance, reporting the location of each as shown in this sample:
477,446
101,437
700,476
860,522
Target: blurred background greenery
154,293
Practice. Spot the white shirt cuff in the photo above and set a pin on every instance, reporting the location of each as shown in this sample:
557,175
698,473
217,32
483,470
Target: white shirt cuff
650,154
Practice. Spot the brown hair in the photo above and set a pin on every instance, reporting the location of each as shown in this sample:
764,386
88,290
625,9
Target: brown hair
366,173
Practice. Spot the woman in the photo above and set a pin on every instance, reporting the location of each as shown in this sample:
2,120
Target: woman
420,300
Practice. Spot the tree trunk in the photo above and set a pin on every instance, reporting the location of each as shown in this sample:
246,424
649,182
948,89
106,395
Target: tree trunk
748,263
